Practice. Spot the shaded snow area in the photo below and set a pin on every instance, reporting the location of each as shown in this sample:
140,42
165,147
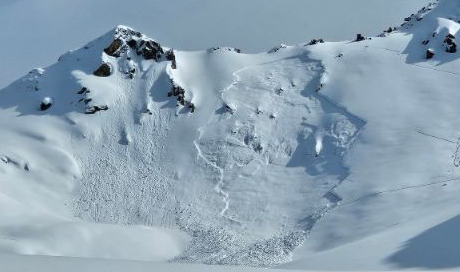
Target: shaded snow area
314,156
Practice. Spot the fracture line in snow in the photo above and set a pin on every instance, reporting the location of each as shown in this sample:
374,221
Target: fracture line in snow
398,189
436,137
417,65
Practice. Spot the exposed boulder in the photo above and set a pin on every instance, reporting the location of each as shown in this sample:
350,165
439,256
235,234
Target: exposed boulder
230,49
150,50
449,44
104,70
192,107
359,37
315,41
46,103
132,43
277,48
429,53
114,48
171,57
230,108
319,87
94,109
83,90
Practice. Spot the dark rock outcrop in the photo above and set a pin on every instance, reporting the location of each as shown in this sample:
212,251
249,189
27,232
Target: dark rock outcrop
450,45
104,70
114,48
46,103
315,41
94,109
359,37
83,90
429,53
171,57
150,50
44,106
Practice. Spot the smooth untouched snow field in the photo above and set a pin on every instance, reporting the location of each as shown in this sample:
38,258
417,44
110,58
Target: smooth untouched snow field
327,156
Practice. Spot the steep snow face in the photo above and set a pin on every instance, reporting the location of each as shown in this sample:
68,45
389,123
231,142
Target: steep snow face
404,167
203,142
231,158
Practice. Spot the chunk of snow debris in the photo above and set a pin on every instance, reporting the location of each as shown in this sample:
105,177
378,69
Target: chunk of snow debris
319,144
104,70
128,67
94,109
429,53
46,103
273,116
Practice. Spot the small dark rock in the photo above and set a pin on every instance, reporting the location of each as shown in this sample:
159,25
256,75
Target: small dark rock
229,109
452,48
94,109
315,41
44,106
46,103
103,71
359,38
320,87
83,90
429,53
171,57
192,107
132,43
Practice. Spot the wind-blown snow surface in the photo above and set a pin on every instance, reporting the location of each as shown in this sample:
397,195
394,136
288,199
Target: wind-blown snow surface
316,146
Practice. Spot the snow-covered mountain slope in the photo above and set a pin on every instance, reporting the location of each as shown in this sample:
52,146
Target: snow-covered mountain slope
23,263
231,158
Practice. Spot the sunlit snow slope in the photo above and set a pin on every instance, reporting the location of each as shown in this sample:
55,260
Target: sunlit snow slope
221,157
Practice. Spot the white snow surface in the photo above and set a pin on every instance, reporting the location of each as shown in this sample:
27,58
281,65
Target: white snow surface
329,156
